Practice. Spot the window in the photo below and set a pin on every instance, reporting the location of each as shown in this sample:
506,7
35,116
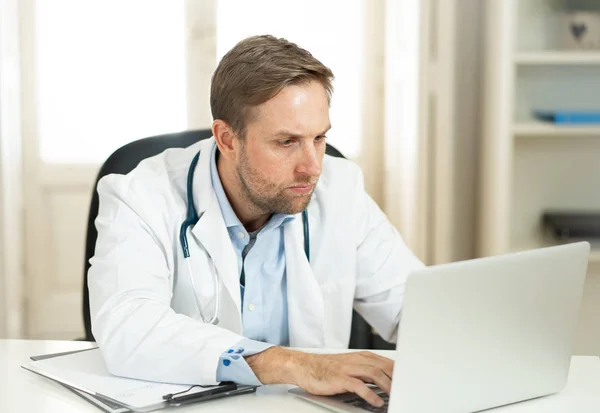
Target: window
108,72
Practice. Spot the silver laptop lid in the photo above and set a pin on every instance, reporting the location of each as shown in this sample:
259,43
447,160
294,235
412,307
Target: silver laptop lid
482,333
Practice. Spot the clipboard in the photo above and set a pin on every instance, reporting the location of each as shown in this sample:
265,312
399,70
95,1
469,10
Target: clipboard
104,405
89,362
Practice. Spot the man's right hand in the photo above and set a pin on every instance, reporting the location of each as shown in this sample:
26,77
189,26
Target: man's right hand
325,374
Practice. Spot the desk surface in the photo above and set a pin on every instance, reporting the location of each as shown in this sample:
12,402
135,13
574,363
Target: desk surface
22,391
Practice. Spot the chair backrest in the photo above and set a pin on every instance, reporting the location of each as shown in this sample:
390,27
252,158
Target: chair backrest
123,161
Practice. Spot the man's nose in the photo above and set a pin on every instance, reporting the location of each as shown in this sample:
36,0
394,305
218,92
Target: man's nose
310,163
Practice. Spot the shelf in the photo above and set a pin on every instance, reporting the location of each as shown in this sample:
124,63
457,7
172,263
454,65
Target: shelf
557,58
534,128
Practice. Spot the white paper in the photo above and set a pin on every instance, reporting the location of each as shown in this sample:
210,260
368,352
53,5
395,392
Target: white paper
86,371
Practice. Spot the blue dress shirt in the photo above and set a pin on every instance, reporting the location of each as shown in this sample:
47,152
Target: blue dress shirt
261,265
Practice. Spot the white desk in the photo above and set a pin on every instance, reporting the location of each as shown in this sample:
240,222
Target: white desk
23,391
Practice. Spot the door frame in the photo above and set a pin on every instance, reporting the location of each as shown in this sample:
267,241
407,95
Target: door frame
11,161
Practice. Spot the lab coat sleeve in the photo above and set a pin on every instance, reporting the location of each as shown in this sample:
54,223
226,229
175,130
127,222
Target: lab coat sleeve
383,263
130,284
233,366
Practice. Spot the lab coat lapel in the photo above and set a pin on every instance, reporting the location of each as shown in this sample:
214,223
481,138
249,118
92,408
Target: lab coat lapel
211,232
305,300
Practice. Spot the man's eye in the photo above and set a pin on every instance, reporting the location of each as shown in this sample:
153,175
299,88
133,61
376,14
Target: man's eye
287,142
320,138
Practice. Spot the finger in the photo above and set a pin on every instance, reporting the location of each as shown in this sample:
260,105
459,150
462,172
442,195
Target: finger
384,363
367,357
360,389
371,374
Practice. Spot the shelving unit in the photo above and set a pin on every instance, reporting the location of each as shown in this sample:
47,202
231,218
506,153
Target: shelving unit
536,128
556,58
529,166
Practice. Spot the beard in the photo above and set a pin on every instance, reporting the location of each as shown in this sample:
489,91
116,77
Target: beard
267,196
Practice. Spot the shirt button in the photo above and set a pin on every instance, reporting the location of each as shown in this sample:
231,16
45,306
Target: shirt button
251,307
241,234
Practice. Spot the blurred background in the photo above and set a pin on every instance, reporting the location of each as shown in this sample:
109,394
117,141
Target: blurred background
476,122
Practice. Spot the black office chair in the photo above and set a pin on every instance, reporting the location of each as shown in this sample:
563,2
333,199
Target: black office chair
123,161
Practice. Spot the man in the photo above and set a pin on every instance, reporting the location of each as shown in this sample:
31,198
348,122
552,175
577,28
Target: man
262,274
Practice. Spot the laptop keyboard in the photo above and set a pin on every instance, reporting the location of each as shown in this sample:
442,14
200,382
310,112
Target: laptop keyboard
362,404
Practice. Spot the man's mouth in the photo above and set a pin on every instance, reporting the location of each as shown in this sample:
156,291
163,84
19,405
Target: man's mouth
302,188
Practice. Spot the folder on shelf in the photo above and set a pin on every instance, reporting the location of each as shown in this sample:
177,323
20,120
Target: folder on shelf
85,373
569,117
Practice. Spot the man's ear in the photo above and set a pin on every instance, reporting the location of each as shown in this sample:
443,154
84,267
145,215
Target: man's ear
224,136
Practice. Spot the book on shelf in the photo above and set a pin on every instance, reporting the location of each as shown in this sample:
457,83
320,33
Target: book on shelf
568,117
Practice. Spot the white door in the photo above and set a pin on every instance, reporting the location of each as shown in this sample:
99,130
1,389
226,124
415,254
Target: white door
95,75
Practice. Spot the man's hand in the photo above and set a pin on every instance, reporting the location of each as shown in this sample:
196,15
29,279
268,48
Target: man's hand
325,374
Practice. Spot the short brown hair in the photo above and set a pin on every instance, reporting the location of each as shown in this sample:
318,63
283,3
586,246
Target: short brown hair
257,69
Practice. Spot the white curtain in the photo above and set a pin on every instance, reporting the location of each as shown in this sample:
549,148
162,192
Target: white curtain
431,135
10,174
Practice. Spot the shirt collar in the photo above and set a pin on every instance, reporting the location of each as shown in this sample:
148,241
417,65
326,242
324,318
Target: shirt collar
229,216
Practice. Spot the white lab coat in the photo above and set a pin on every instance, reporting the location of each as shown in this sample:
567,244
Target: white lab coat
144,315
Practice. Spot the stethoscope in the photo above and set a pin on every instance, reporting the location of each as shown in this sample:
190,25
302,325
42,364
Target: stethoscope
191,219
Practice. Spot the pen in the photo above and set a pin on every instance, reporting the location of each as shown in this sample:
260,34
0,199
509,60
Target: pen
221,388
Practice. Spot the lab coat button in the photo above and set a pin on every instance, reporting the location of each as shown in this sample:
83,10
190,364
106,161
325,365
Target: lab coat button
251,307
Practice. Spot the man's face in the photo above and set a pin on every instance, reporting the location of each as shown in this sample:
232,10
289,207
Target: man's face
280,159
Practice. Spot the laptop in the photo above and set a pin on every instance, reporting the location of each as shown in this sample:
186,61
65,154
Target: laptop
482,333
